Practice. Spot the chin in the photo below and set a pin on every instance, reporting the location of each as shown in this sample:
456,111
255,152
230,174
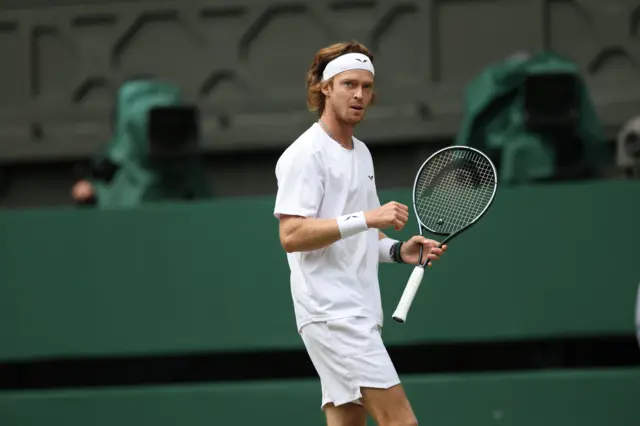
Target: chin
353,119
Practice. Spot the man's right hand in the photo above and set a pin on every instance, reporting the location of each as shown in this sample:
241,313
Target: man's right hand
392,214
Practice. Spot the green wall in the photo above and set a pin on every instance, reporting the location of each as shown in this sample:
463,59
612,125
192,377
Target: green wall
585,398
548,260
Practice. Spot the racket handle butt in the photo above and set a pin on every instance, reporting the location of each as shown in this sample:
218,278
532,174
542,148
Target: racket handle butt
409,293
398,319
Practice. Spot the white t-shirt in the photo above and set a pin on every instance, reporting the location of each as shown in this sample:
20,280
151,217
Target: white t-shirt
319,178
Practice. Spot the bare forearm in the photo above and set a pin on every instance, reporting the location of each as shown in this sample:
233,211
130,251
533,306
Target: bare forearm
306,234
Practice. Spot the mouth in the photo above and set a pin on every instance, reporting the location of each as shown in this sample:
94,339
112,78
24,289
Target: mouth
356,107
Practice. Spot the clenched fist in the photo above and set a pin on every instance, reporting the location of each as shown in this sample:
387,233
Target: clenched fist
392,214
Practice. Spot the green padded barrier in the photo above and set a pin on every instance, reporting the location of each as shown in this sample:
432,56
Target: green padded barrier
596,398
546,261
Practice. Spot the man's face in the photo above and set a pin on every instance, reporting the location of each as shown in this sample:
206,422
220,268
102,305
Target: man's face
350,95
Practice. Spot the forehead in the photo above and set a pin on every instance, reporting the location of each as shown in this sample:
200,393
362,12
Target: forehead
361,76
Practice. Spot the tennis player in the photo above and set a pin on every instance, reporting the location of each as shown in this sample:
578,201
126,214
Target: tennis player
330,220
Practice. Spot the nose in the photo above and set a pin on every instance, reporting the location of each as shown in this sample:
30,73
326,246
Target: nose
358,93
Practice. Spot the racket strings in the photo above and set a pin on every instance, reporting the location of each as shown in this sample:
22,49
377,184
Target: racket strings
453,189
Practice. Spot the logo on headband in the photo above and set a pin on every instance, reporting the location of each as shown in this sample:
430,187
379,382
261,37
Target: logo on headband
360,60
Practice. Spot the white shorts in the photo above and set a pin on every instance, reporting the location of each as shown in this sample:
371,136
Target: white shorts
348,353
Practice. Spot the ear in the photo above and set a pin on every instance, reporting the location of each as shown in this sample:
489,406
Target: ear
326,88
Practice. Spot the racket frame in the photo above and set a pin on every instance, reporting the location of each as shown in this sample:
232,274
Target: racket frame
416,276
415,185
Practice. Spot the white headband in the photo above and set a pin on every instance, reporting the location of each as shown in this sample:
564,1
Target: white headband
346,62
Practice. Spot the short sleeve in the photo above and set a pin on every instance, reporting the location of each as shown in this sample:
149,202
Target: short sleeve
300,184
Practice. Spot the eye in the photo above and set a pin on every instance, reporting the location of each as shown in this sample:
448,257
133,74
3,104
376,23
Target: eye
348,83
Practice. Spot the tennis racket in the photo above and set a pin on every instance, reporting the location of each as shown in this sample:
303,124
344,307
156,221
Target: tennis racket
452,190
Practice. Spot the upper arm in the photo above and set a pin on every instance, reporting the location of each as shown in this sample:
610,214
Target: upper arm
288,224
300,184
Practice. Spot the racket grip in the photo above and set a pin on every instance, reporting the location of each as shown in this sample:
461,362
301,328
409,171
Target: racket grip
400,314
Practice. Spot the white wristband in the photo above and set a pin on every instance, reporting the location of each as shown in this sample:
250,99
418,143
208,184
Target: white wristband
384,250
351,224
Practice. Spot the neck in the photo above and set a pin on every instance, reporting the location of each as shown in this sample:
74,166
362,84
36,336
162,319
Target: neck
340,131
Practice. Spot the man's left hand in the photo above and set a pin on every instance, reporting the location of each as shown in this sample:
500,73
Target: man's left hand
411,250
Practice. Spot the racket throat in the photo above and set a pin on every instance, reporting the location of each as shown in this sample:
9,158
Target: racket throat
425,263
